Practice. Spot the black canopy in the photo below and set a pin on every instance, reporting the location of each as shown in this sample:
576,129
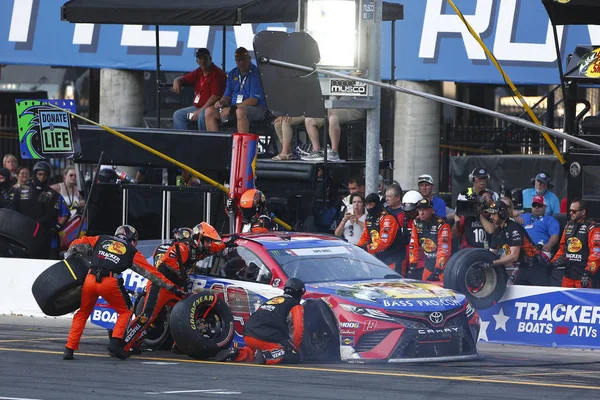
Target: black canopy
573,12
192,12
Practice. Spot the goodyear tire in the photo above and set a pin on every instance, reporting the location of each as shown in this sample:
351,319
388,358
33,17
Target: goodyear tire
58,289
202,325
158,335
321,340
482,286
19,233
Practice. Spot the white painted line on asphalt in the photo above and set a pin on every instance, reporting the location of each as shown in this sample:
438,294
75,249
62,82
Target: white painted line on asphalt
159,363
15,398
211,391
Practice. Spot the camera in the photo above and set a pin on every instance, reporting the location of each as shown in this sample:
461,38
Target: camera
468,208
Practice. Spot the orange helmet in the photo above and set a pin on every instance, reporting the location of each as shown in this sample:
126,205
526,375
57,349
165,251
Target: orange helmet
204,230
253,202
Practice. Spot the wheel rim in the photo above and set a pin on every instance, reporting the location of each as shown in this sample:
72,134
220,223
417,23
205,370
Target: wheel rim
159,329
480,282
319,341
210,327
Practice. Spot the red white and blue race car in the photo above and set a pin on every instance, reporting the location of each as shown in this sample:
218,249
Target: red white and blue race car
356,308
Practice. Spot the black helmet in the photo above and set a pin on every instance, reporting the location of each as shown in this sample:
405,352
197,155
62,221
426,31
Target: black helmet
500,208
128,233
183,234
295,288
42,166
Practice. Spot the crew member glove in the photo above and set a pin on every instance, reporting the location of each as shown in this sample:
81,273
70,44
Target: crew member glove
586,279
486,265
412,271
179,293
231,241
230,204
57,227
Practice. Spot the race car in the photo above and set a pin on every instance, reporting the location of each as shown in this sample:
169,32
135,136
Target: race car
356,308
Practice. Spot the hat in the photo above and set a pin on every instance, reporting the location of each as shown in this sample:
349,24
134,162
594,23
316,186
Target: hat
425,203
380,179
538,199
201,51
373,198
241,51
481,173
542,177
426,178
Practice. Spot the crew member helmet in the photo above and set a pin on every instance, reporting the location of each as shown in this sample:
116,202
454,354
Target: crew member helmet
295,288
411,200
128,233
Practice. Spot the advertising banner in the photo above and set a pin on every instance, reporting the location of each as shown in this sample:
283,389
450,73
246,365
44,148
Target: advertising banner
544,316
431,42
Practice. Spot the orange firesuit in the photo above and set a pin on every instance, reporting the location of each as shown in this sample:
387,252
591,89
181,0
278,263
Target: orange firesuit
110,257
434,238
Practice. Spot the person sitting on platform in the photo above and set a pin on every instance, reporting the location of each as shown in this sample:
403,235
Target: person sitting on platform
209,85
243,98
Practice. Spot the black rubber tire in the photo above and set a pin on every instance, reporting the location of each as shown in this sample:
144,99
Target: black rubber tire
158,335
197,337
321,340
58,289
491,282
20,233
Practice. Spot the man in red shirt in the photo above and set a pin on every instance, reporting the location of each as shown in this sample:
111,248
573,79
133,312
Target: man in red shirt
209,85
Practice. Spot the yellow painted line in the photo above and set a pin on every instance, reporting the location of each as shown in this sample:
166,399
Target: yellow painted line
43,339
70,269
334,370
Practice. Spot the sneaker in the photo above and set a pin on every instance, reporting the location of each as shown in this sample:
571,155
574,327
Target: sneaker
115,349
227,355
304,149
259,358
68,354
314,156
333,156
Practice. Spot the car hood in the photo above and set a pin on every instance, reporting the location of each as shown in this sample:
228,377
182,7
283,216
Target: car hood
394,295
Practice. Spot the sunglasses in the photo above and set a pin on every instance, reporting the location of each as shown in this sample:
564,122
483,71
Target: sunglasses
537,205
574,211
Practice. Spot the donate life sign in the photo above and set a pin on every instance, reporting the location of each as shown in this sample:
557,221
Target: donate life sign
544,316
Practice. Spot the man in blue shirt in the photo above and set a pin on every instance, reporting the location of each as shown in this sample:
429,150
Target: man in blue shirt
426,189
542,229
542,182
243,98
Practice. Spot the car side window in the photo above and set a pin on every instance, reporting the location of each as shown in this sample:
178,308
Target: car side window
255,269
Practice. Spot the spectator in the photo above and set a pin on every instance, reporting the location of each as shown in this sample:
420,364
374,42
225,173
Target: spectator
578,251
188,180
11,163
426,186
564,205
7,192
380,236
209,85
393,200
283,128
336,117
38,201
542,182
68,190
353,223
243,98
480,177
23,176
544,230
356,184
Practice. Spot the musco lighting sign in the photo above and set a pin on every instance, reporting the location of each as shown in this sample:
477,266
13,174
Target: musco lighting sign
558,318
344,87
45,131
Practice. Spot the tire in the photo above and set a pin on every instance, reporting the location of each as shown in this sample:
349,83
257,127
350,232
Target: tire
483,287
198,337
321,341
21,234
58,289
158,335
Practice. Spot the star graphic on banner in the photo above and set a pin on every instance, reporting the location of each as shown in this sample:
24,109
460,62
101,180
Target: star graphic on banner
483,325
501,320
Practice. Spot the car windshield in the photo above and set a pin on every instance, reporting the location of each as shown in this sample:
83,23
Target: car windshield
335,263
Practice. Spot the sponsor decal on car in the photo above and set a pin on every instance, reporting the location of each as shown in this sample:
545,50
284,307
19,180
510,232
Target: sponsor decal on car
352,325
347,341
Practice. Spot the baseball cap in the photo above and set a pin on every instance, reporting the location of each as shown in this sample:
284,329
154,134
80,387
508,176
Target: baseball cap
201,51
424,203
241,51
426,178
481,173
539,200
542,177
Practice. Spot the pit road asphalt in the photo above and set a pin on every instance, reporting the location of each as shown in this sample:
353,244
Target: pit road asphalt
31,367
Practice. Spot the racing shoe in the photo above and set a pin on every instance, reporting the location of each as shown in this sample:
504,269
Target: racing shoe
227,355
68,354
259,358
115,349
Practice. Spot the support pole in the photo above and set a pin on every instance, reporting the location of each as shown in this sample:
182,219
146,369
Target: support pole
157,77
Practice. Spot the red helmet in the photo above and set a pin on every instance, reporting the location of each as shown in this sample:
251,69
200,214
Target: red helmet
253,202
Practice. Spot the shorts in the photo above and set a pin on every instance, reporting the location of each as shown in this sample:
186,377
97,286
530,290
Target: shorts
254,113
343,114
